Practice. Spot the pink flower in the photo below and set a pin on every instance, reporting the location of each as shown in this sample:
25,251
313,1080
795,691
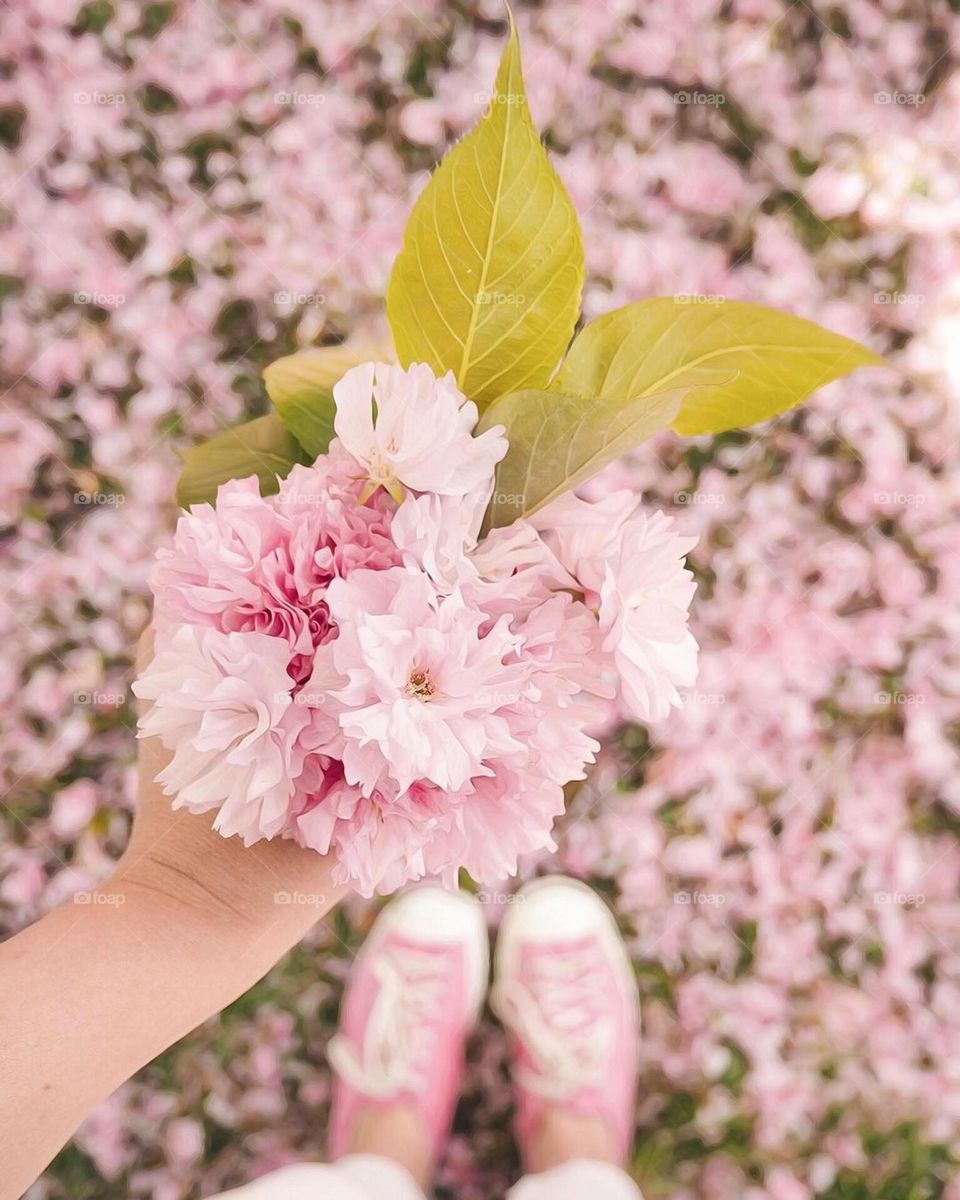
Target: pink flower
630,566
644,599
422,690
222,704
583,534
456,731
436,533
507,814
378,840
409,429
212,575
256,564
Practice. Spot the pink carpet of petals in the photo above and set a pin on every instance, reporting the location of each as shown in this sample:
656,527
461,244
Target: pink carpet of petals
191,190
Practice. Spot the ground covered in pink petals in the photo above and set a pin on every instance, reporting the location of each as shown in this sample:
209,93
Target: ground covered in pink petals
192,189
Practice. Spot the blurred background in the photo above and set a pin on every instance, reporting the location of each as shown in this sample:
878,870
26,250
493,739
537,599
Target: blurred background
191,188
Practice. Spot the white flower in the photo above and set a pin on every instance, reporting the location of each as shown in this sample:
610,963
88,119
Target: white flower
407,428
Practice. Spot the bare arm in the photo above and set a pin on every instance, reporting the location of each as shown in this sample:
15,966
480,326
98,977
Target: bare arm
98,988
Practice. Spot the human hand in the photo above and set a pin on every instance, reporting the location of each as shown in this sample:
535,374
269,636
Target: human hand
187,867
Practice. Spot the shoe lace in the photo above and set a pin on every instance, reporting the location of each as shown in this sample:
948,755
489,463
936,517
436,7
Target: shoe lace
400,1031
555,1015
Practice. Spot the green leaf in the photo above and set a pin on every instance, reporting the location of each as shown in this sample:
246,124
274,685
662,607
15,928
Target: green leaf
301,388
261,447
488,282
558,441
740,363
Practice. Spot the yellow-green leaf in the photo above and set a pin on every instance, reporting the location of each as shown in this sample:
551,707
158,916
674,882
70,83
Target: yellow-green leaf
557,441
741,363
261,447
301,387
488,282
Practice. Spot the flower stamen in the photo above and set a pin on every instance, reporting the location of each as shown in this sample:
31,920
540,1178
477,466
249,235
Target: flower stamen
420,685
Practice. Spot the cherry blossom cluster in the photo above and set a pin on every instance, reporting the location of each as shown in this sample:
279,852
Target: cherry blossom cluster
349,664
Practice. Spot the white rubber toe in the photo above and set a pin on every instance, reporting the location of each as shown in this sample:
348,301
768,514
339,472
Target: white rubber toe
556,905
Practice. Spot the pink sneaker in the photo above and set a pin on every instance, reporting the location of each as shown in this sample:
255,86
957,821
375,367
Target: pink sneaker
413,995
565,990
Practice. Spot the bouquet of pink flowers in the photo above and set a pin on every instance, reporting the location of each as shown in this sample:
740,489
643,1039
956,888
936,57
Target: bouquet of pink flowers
388,626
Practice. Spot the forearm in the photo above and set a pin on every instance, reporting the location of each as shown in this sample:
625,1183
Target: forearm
95,990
